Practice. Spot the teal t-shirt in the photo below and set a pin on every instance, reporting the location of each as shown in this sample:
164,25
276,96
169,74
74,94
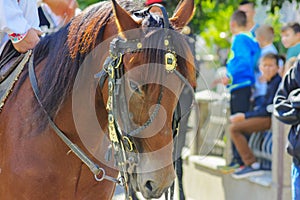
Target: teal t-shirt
293,51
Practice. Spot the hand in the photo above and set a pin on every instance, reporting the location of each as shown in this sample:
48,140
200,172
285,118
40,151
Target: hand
262,79
29,41
223,80
237,117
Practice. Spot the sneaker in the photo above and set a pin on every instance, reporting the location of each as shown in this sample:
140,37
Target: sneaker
228,169
247,171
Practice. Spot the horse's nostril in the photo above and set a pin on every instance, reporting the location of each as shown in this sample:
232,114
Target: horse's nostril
149,185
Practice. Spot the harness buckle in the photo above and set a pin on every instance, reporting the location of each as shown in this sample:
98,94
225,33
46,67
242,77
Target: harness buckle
121,181
119,60
128,143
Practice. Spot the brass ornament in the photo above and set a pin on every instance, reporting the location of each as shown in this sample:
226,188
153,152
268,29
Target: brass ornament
139,45
170,61
166,42
111,129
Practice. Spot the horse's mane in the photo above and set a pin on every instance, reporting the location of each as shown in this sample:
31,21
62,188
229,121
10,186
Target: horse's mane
68,47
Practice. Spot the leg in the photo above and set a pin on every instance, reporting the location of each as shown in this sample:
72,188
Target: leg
247,126
237,96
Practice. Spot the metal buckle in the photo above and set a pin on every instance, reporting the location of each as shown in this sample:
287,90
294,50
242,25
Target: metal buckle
128,143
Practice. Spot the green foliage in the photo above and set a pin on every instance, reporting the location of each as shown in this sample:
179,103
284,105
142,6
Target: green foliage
211,19
215,30
84,3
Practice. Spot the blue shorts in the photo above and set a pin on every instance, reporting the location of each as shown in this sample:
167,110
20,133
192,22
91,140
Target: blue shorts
295,178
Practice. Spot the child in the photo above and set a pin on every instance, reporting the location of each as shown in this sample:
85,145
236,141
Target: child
264,37
290,38
240,70
256,120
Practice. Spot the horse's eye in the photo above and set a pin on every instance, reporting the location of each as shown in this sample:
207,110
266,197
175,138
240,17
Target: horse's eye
135,87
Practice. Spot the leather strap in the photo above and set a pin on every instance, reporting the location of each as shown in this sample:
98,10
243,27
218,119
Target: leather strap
95,169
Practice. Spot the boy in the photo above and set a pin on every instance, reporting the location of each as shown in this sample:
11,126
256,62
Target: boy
256,120
264,37
240,70
290,38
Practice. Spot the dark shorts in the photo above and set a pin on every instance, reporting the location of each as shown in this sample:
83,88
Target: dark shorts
240,100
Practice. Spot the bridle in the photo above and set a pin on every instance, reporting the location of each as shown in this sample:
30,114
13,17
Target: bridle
122,143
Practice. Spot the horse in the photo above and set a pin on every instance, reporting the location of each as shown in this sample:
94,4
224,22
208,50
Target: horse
84,115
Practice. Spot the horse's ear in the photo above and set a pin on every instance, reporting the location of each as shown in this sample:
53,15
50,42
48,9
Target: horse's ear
183,14
123,20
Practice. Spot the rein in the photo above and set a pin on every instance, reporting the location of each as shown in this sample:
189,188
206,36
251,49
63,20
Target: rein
99,173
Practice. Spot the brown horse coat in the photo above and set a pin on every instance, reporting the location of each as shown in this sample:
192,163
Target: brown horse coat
34,162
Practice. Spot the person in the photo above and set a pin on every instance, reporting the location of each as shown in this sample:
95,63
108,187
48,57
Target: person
54,14
260,87
19,23
290,38
249,8
287,110
257,120
264,36
240,65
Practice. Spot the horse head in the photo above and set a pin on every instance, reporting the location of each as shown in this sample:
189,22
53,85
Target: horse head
65,105
151,61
